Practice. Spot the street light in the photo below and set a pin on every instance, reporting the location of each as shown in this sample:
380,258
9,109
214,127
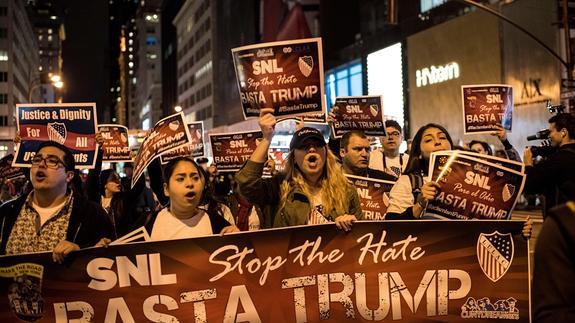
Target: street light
178,108
56,82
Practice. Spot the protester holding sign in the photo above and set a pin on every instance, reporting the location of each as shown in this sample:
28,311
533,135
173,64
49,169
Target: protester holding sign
410,194
484,148
311,190
187,187
104,187
51,217
413,191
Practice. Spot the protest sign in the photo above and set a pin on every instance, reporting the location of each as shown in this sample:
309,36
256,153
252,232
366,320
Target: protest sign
116,147
374,196
485,106
286,76
169,133
364,113
513,164
195,149
315,118
70,124
232,150
408,271
472,188
6,169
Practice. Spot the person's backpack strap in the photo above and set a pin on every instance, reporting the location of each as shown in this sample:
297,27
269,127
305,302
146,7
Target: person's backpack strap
416,181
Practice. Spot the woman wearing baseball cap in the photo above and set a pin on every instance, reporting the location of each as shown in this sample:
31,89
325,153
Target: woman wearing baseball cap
311,190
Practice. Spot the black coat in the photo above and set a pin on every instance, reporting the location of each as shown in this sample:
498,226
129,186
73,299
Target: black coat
88,222
554,177
554,268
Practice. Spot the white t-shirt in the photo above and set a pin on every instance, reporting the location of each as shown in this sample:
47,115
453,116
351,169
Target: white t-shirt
47,212
253,220
393,166
168,227
401,197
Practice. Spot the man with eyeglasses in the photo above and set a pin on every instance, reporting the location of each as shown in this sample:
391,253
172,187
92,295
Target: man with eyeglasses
354,152
51,217
388,159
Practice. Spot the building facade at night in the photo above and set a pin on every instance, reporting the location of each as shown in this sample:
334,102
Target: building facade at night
195,61
50,33
19,63
384,51
145,68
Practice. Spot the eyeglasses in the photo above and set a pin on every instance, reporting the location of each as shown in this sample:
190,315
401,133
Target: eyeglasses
50,161
393,134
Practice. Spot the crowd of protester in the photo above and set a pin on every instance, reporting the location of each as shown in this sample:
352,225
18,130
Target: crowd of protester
58,209
189,198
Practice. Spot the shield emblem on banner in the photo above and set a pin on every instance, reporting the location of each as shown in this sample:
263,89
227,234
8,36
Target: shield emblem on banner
374,109
508,191
174,125
495,254
57,132
305,64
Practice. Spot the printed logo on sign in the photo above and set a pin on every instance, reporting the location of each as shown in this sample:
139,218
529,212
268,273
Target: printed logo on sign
503,309
305,64
174,125
25,291
472,100
265,52
507,192
57,132
495,254
374,109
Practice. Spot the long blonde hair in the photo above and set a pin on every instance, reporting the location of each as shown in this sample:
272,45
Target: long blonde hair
334,185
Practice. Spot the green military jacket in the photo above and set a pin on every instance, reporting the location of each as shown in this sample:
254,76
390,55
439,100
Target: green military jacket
265,192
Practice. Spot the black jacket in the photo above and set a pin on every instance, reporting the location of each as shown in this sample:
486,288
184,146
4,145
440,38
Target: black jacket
554,268
88,222
554,177
123,206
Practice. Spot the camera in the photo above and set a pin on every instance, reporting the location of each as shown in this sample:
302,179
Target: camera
556,109
540,135
543,134
543,151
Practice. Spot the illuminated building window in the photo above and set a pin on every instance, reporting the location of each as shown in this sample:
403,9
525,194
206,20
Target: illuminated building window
345,80
385,77
430,4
